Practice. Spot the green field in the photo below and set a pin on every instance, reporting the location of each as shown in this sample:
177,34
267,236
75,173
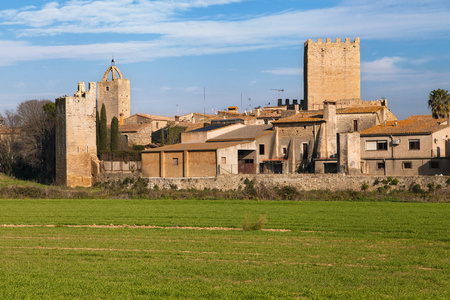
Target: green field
338,250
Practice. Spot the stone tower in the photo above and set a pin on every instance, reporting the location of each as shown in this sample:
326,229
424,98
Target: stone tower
114,93
331,71
76,149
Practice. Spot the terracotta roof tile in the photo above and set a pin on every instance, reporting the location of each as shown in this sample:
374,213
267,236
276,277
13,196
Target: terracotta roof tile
195,146
424,124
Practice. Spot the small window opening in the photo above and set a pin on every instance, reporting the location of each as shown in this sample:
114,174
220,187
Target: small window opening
380,166
261,149
407,165
175,161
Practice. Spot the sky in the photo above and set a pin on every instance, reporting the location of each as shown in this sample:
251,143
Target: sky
186,56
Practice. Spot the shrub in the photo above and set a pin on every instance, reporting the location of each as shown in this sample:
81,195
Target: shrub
138,147
376,182
288,193
257,225
416,189
365,186
394,181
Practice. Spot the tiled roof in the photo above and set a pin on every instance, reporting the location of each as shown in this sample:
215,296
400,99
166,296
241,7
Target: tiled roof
358,110
162,118
424,124
194,147
132,127
250,132
317,115
302,117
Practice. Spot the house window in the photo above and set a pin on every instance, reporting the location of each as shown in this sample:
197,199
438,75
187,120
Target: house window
223,160
284,150
407,165
157,125
261,149
434,165
175,161
414,144
380,165
376,145
355,125
107,88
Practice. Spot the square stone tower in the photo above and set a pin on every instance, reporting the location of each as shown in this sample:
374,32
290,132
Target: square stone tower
114,93
76,149
331,72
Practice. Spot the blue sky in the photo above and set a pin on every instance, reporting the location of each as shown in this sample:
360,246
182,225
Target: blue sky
174,50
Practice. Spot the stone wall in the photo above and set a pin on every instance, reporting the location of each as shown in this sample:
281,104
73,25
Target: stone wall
307,182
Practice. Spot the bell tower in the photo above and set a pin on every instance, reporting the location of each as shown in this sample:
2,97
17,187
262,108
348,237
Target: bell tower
114,92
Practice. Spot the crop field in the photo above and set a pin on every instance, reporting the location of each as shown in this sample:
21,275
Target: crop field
192,249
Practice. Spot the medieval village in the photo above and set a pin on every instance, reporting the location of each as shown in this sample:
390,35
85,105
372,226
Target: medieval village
334,184
331,130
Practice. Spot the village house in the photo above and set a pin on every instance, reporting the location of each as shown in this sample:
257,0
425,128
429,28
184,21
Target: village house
138,128
418,145
229,149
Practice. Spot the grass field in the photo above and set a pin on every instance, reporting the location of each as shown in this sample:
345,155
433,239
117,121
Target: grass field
337,250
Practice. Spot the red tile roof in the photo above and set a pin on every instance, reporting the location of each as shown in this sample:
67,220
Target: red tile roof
421,124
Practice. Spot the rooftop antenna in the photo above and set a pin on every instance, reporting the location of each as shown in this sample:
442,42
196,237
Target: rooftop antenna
178,110
278,90
249,104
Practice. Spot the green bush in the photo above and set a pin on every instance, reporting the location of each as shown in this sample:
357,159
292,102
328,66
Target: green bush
394,181
365,186
254,225
416,189
138,147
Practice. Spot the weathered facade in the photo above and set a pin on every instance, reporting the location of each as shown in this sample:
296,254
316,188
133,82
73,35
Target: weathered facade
418,145
76,150
114,93
331,71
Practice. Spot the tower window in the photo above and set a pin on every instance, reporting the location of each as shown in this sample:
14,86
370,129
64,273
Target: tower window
355,125
107,88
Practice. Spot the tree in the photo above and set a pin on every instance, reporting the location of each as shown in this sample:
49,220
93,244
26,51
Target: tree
103,130
30,150
97,130
114,134
439,102
9,133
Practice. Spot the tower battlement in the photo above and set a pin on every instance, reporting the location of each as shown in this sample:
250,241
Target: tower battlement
338,40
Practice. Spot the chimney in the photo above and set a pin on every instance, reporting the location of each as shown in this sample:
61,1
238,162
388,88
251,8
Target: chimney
257,111
177,118
280,102
287,101
121,119
329,114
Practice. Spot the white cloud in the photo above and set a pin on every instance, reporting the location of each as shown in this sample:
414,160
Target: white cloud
285,71
161,29
385,69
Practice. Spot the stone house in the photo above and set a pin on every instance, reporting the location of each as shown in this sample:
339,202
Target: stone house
138,128
418,145
308,140
232,149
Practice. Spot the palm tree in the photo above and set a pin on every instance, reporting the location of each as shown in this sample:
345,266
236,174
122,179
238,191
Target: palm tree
439,102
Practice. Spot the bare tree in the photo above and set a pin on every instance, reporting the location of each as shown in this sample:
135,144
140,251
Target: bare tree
31,150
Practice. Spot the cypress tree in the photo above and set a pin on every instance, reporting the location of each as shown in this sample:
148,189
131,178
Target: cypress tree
103,130
114,134
162,138
97,130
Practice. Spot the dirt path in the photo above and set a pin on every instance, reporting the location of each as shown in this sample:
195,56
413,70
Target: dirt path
133,226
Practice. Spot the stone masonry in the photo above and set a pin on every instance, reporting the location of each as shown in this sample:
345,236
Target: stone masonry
115,94
331,71
76,150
